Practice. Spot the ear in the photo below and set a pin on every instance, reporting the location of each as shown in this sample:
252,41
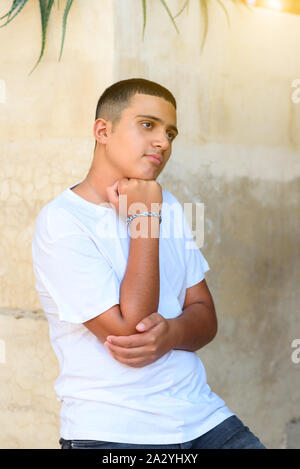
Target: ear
102,130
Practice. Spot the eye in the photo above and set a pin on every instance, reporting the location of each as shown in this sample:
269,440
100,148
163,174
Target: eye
172,135
146,123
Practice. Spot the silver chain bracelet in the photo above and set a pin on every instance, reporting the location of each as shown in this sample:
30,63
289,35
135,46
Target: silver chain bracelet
128,220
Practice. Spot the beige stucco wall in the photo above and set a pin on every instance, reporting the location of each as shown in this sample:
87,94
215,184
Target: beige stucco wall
238,152
46,144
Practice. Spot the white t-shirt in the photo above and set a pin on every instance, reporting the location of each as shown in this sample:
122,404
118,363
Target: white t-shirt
80,252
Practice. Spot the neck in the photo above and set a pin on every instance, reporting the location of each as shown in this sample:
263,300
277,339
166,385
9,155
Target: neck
100,178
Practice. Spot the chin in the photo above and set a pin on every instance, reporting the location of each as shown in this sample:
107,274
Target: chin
151,177
150,174
145,175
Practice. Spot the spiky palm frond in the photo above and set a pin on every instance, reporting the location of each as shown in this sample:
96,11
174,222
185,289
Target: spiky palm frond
46,8
45,11
64,25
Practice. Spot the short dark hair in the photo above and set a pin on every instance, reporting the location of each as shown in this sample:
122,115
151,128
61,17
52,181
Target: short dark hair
117,97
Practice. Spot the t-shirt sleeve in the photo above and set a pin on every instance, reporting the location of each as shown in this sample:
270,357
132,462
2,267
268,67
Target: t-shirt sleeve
77,276
195,263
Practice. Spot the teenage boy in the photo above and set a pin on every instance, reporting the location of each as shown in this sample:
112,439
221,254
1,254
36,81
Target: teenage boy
104,269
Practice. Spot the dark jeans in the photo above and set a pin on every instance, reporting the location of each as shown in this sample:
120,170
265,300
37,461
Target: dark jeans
229,434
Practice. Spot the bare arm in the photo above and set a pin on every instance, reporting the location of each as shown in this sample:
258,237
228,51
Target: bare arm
197,325
139,291
192,330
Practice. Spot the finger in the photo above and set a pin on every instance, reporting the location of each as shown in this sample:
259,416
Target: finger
135,340
130,353
113,193
127,360
134,363
149,321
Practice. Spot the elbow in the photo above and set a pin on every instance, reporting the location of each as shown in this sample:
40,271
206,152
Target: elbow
214,329
129,319
211,323
111,322
214,333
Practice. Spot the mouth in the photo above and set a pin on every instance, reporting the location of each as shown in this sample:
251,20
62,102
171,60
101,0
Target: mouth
155,158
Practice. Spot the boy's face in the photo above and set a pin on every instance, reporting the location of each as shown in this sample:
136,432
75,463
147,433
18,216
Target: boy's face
147,126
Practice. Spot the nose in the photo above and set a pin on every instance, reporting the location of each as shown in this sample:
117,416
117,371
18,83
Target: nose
161,141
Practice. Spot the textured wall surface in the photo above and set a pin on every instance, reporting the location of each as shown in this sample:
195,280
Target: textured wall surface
29,411
46,144
238,152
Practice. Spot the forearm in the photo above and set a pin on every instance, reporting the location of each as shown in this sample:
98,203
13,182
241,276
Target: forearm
139,291
194,328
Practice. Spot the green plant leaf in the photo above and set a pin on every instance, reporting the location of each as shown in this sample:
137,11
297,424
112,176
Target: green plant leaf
170,14
186,4
144,6
204,9
45,10
15,5
46,6
65,17
226,12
